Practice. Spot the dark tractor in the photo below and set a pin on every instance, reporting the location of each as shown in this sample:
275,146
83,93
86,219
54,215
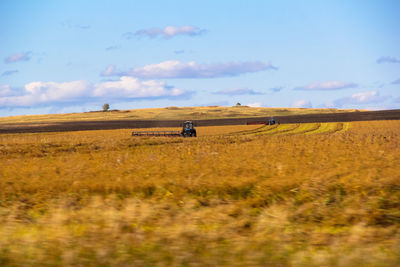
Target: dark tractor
188,129
271,121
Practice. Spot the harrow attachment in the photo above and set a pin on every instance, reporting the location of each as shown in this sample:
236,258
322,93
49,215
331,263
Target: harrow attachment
188,130
157,133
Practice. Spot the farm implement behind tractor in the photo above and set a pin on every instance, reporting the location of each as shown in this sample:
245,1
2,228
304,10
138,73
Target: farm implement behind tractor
188,130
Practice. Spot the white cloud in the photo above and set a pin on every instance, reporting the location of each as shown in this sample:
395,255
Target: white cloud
324,86
387,60
167,32
50,93
178,69
37,93
364,96
396,81
302,104
255,105
361,98
18,57
238,91
128,87
5,90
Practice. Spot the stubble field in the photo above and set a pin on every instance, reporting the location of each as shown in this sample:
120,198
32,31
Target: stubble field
317,194
170,113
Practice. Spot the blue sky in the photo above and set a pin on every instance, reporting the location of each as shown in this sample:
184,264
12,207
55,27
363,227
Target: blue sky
73,56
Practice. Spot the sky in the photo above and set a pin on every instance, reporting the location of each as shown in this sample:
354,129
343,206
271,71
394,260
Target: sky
74,56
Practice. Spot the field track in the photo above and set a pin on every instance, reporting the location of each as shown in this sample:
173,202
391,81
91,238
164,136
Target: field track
128,124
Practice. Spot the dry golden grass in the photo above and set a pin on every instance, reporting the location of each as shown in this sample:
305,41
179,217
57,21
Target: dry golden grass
287,198
171,113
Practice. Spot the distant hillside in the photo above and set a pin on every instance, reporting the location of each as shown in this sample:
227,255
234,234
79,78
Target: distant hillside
170,113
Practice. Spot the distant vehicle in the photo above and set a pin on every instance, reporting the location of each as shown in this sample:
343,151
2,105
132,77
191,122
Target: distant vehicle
188,130
271,121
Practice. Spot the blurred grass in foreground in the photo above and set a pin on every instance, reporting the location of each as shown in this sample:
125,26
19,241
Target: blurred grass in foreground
329,197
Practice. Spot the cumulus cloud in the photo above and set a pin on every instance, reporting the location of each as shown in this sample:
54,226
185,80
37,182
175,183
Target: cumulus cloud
49,93
18,57
254,105
8,72
387,60
361,98
166,33
128,87
302,104
37,93
396,81
178,69
325,86
238,91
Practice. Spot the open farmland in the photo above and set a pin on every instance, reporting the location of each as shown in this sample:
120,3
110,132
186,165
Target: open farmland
170,113
312,194
14,125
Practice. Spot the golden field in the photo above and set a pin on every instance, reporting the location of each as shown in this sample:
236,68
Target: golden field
170,113
317,194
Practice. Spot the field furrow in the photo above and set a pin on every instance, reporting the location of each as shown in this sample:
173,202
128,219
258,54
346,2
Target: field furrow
282,128
345,127
251,131
303,128
325,127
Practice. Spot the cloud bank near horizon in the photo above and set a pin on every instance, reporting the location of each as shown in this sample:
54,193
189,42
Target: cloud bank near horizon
361,98
177,69
51,93
254,105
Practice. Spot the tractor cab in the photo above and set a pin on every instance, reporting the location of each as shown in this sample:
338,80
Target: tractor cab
271,121
188,129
